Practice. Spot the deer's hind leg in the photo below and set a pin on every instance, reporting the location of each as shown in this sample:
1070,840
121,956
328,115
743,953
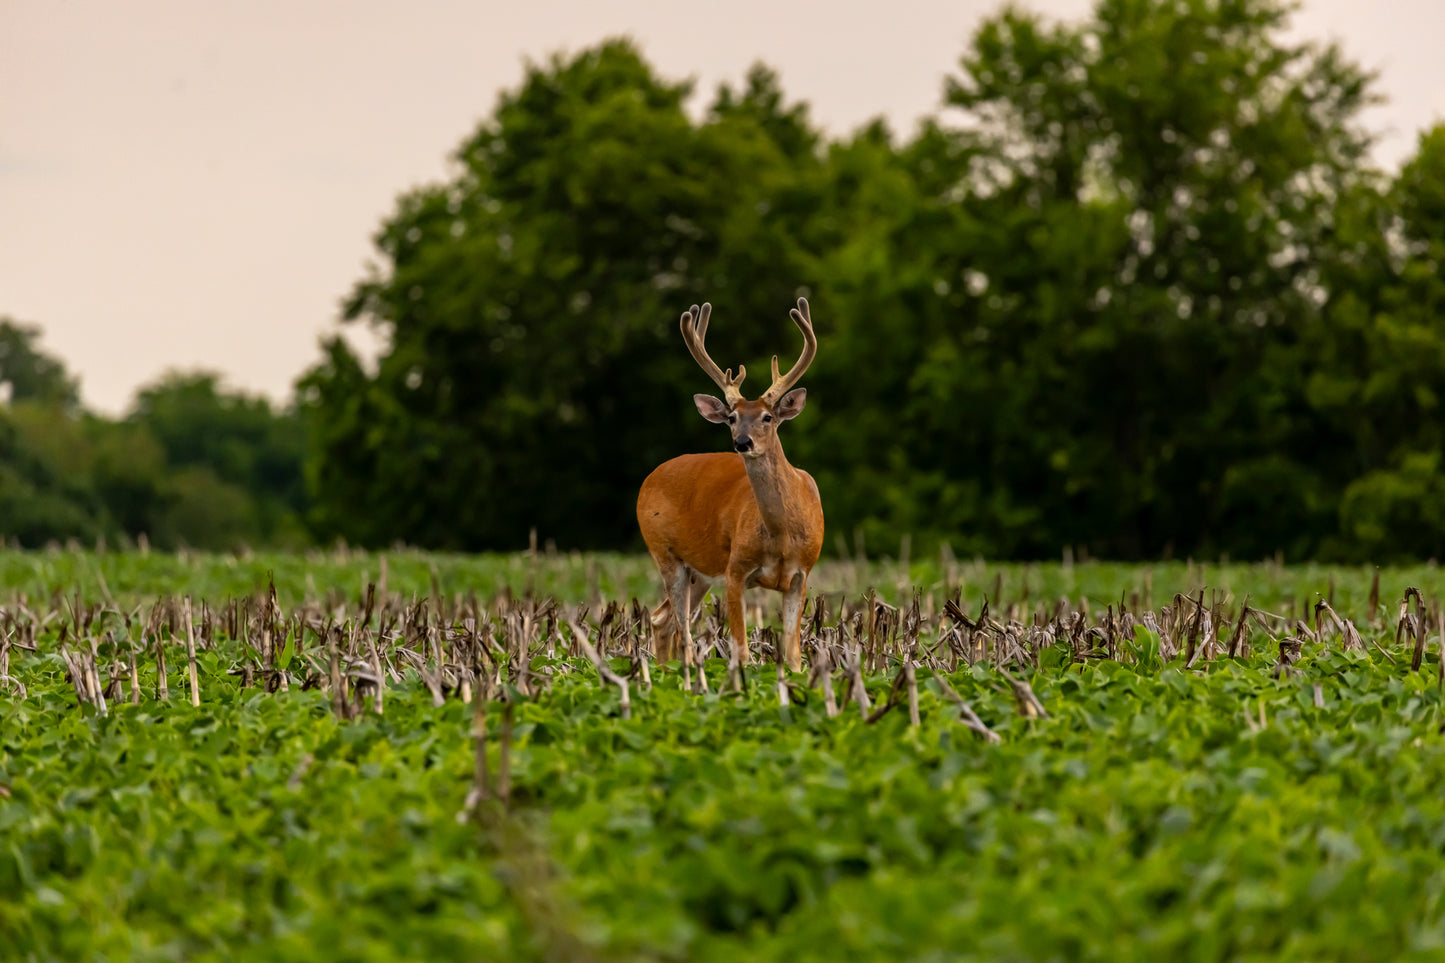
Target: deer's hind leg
664,636
680,598
672,620
664,623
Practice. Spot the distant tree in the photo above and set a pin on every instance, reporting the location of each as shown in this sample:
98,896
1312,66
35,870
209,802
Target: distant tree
45,494
127,472
234,450
202,511
30,373
192,464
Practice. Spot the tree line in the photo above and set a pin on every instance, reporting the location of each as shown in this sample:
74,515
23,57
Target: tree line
1135,288
190,464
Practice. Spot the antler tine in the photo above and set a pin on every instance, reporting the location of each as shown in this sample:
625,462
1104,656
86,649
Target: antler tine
694,333
803,318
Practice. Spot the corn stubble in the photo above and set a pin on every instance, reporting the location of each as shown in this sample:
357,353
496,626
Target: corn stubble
510,648
862,654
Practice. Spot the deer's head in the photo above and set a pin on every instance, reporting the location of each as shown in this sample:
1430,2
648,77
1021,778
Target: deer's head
754,424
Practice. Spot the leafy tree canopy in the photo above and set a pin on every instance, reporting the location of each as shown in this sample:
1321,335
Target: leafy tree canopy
1136,289
530,306
29,374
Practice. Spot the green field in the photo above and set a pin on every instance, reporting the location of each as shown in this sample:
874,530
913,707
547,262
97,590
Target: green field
576,577
1171,801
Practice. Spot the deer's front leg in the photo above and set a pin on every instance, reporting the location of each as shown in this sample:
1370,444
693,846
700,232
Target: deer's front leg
793,597
737,582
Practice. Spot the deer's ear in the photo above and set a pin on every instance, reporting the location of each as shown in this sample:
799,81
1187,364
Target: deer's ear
791,404
711,408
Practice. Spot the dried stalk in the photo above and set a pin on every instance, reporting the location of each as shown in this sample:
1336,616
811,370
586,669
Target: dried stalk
335,681
94,675
782,674
607,675
377,702
480,791
1238,637
79,679
1029,705
1374,602
1349,635
823,665
858,692
966,715
892,700
134,674
504,761
163,689
194,678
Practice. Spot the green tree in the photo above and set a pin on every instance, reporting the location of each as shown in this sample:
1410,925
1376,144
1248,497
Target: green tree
30,373
1375,372
127,471
1135,290
1129,226
192,464
234,463
45,492
533,372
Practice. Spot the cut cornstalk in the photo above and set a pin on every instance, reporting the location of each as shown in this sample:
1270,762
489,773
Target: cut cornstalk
859,692
504,760
966,714
163,689
377,700
480,790
194,677
825,670
606,674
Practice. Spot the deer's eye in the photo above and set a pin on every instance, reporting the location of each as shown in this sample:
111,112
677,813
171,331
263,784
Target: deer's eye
767,418
732,419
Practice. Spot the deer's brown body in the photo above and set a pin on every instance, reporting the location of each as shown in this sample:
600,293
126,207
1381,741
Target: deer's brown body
745,518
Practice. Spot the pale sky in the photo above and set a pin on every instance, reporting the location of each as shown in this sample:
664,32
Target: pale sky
194,183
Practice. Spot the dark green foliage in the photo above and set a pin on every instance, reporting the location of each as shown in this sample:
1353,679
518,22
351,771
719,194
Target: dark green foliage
1153,817
41,497
39,502
239,463
1136,291
1381,383
531,303
29,374
192,465
175,832
1148,298
1099,285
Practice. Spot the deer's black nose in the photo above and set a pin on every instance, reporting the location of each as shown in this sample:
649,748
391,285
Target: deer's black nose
743,444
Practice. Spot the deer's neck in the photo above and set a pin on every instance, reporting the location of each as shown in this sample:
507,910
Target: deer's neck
780,492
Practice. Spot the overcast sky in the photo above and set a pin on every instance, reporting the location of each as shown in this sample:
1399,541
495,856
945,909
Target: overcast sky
191,184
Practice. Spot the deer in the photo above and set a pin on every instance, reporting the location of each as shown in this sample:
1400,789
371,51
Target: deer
745,517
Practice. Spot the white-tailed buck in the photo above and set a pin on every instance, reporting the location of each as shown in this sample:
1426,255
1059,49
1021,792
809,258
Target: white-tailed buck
746,517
